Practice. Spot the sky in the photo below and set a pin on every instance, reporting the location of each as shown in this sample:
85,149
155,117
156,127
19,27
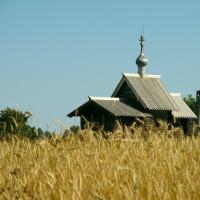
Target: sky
54,54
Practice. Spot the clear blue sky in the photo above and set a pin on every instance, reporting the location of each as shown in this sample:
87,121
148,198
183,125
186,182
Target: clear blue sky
53,54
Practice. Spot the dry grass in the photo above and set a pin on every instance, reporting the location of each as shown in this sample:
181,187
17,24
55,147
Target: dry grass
87,167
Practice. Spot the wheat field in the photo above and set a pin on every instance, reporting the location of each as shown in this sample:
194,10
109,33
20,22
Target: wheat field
126,165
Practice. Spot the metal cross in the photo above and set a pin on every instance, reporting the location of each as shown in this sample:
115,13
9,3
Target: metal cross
142,43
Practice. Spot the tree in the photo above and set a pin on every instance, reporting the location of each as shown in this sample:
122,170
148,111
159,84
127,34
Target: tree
13,121
190,101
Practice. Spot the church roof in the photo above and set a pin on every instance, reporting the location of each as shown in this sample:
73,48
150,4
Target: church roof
114,106
184,111
149,90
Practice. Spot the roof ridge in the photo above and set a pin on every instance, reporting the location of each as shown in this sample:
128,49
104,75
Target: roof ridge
175,94
145,76
103,98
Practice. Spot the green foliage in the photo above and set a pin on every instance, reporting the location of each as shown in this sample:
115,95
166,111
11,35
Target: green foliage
72,130
33,132
75,129
13,121
190,101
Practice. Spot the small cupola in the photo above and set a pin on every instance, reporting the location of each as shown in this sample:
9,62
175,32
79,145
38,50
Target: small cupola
141,61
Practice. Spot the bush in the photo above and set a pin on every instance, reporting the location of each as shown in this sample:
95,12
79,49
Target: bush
75,129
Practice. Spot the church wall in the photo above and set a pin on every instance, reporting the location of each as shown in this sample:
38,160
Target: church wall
126,93
198,105
97,118
101,121
161,115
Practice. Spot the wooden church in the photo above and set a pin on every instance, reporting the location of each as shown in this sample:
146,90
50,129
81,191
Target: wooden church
140,98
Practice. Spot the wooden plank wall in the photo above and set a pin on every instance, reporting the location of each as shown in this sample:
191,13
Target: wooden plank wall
198,105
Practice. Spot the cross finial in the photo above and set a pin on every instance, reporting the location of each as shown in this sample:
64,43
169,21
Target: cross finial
141,60
141,43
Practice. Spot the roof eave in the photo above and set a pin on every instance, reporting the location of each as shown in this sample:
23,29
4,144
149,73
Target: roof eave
118,86
185,117
162,109
75,112
103,109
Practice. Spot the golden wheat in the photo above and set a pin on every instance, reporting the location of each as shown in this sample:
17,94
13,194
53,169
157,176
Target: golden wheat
85,166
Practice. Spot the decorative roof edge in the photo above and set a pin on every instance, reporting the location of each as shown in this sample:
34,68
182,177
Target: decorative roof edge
103,98
145,76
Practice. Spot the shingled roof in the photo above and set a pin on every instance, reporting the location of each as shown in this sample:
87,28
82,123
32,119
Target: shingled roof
184,111
149,90
114,106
